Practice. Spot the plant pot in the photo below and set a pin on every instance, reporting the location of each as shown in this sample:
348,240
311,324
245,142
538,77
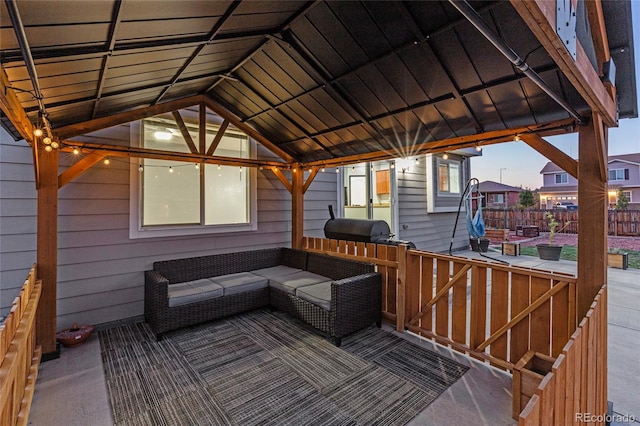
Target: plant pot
618,260
549,251
75,335
479,244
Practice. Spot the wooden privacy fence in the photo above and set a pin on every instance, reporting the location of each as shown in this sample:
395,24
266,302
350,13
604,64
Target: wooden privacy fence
493,312
19,356
576,387
621,222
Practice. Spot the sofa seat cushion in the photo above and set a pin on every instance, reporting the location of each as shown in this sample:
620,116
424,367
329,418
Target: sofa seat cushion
289,283
240,282
276,271
318,294
193,291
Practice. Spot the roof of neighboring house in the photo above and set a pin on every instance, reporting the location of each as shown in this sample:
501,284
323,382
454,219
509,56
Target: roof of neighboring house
551,167
491,186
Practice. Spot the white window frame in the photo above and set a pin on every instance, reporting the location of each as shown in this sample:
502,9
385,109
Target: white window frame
616,175
564,178
136,230
433,186
449,163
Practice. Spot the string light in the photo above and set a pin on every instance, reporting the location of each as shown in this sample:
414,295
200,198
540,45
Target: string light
76,151
197,165
295,170
54,145
37,133
417,161
48,148
445,156
337,169
140,168
46,140
517,138
106,161
218,166
392,166
478,148
170,169
322,170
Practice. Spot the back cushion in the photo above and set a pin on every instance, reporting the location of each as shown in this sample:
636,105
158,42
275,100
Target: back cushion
195,268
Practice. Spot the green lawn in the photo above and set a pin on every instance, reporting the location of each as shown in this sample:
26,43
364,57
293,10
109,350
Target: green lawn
571,253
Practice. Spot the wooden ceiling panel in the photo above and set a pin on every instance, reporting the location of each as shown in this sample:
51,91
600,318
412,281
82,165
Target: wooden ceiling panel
154,57
68,36
142,70
165,28
162,9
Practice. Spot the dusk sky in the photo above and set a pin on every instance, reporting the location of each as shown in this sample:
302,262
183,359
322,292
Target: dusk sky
521,164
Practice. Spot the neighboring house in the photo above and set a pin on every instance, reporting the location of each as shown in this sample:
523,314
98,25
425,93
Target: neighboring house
624,172
498,195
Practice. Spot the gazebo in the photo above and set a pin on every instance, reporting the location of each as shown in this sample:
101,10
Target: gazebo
316,85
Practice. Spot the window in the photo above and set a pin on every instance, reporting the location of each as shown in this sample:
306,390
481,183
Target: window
448,178
561,178
180,198
627,195
497,198
618,174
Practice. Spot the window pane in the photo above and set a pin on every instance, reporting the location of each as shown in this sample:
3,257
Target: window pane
443,178
170,198
226,195
454,179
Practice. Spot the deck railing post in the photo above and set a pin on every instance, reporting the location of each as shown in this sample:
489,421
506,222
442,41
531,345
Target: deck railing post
400,289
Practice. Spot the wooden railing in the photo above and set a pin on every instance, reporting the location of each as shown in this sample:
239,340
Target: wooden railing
19,356
576,387
491,311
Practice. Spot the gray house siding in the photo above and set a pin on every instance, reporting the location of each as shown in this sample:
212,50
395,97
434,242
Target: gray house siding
427,230
17,217
101,270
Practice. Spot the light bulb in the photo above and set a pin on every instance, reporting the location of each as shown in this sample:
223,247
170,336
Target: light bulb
260,168
197,166
445,156
37,133
46,140
478,148
295,170
106,161
240,169
55,145
417,161
48,148
322,170
76,151
517,138
392,166
140,168
218,166
170,169
337,169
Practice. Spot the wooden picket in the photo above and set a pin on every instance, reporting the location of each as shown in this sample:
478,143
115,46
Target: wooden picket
19,355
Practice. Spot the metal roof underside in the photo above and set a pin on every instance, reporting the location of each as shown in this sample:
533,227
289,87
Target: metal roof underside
320,79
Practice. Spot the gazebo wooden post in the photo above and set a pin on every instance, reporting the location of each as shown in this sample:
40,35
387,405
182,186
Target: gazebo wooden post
47,253
297,206
592,220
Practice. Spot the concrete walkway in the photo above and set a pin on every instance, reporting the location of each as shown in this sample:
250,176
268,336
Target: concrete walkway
623,331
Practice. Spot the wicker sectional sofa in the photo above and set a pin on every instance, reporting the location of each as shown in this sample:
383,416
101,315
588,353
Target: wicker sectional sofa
336,296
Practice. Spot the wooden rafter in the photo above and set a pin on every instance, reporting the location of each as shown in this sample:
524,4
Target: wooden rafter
184,131
11,107
135,152
540,17
471,141
250,131
79,168
124,117
598,32
601,147
218,137
552,153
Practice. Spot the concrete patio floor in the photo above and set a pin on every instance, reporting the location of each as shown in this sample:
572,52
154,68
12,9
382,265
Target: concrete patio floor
72,389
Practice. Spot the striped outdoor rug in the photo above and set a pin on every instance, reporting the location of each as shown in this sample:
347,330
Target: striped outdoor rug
264,367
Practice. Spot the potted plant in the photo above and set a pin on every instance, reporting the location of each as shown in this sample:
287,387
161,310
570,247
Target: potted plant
550,251
616,258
